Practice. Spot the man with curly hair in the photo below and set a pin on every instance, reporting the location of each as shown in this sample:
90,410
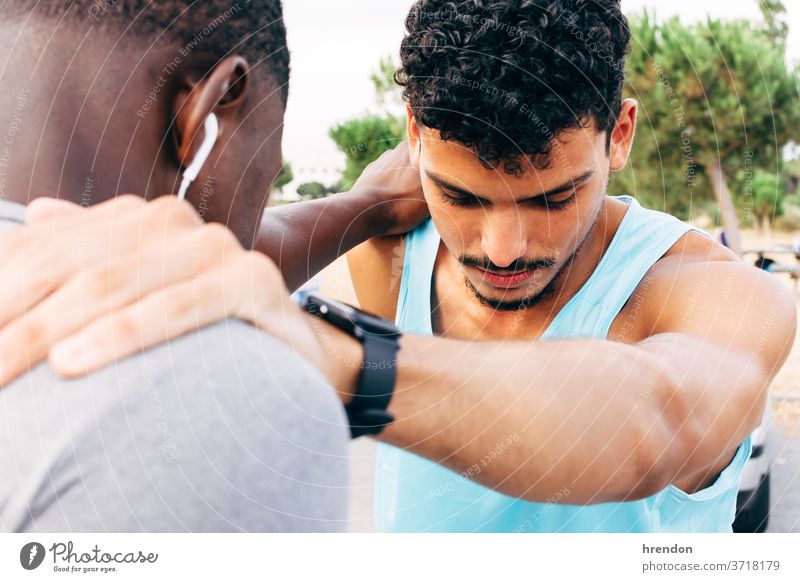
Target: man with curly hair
632,412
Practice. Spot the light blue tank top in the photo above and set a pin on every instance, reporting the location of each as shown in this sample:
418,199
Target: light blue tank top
413,494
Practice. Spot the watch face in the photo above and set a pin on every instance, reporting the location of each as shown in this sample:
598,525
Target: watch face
349,318
347,310
375,325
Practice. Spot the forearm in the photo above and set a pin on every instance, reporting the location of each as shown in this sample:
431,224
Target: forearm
600,419
305,237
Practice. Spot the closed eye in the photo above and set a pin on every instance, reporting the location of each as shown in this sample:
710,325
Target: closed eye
560,203
556,203
461,200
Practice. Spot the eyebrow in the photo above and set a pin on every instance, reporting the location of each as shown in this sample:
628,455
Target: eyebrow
575,182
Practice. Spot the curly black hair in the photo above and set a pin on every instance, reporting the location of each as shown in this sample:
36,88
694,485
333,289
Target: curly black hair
504,77
254,28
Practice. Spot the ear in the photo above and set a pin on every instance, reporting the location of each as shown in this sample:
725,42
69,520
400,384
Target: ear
622,135
221,91
414,138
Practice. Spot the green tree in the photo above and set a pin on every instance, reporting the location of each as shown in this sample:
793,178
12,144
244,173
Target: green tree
714,98
284,177
387,91
363,139
775,26
764,194
312,190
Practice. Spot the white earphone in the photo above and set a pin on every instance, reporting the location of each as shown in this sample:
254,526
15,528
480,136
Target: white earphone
211,129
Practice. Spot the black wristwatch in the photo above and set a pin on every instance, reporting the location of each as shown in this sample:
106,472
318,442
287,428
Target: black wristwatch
366,412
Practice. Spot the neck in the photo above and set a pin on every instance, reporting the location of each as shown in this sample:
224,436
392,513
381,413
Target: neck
68,123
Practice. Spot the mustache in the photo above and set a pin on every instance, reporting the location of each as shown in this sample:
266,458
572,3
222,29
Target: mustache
519,265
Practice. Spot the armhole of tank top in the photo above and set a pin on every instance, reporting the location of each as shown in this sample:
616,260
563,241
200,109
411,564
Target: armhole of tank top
416,282
402,296
628,290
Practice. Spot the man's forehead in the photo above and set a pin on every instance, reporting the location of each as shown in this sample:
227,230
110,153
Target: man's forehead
571,157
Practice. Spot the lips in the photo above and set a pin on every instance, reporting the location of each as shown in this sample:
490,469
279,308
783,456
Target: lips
509,281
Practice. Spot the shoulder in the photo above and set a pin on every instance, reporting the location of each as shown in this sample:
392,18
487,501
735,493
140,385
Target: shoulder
694,246
233,408
692,255
660,283
244,362
230,365
376,269
700,287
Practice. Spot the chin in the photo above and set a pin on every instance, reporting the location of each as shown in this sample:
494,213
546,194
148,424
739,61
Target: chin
508,299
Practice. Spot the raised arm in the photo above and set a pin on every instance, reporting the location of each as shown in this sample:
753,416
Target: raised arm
304,238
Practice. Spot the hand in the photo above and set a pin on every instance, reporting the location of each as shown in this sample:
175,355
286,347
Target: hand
395,184
91,286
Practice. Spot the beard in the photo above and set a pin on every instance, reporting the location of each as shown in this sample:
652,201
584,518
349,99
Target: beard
533,299
526,302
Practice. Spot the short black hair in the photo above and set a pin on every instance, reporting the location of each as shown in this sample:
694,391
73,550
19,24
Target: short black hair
504,77
253,28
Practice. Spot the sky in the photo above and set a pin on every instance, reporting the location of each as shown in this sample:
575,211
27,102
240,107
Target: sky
335,46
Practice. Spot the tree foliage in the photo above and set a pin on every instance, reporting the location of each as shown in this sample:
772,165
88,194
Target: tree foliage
713,97
387,91
363,139
763,199
284,177
312,190
775,25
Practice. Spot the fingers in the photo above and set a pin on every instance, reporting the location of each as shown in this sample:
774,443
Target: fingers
40,257
247,286
117,278
162,315
99,291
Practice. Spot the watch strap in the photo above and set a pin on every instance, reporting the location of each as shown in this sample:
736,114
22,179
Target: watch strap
367,410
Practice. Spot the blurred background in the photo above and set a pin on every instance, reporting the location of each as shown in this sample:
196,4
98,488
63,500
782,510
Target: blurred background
716,145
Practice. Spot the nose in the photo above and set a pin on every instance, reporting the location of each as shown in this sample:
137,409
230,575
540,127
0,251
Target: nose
504,239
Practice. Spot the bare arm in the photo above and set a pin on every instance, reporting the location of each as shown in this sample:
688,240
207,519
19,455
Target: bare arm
610,421
304,238
376,268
